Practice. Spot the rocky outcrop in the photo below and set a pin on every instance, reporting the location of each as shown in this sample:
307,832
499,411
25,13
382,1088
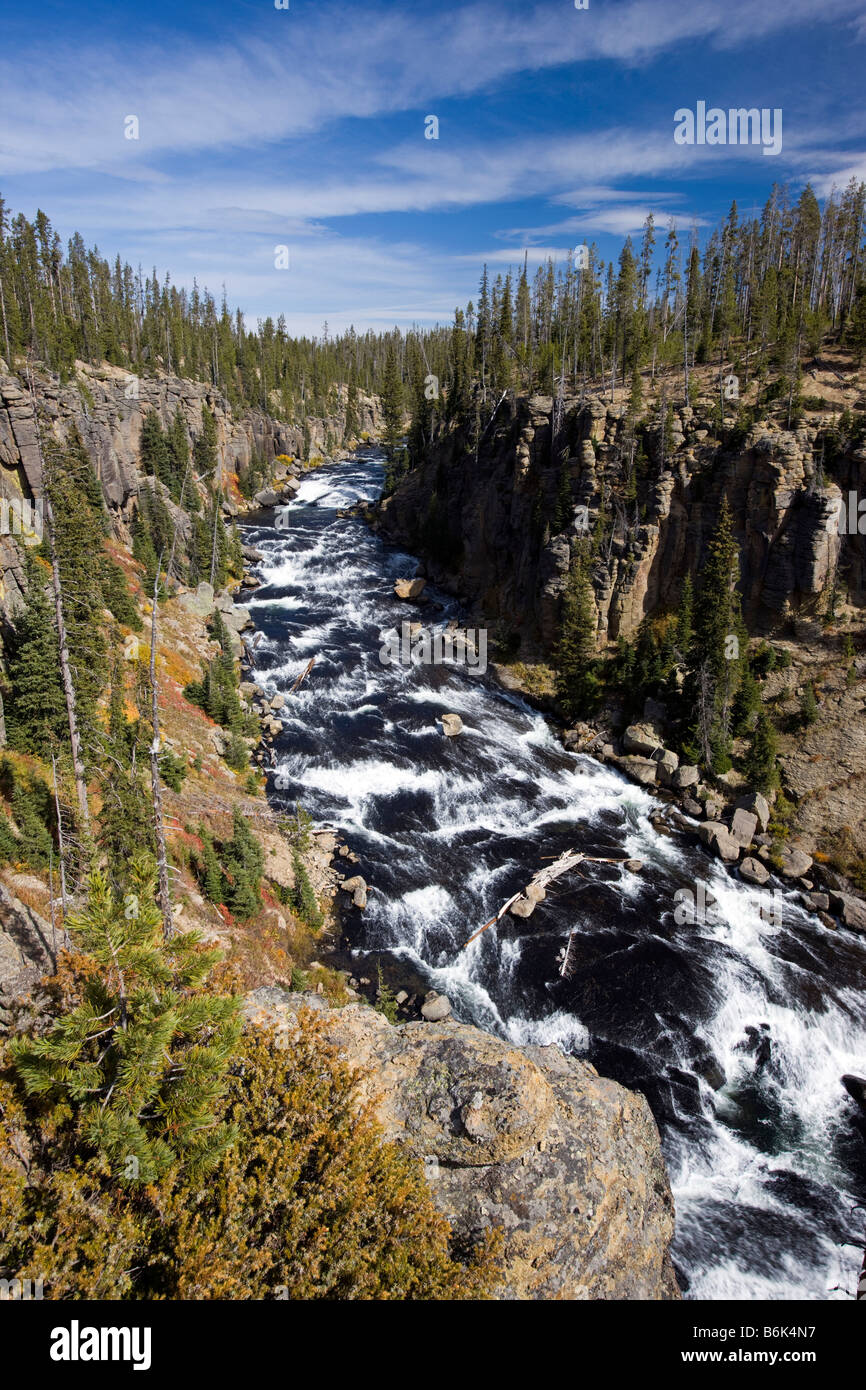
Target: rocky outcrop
487,529
566,1164
26,950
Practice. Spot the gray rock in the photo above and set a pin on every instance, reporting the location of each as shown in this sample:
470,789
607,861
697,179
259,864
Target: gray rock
686,776
436,1007
795,863
819,902
717,837
642,739
200,602
452,724
643,770
758,804
743,827
753,871
851,910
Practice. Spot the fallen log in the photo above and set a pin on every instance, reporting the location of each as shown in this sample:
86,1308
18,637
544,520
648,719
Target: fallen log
569,859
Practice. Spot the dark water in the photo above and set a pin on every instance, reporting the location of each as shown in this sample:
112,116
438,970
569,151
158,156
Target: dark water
766,1169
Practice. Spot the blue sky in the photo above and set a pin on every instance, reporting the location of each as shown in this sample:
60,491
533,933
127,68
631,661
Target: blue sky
305,127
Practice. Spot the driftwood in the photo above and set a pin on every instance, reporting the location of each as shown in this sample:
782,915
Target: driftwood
568,860
303,676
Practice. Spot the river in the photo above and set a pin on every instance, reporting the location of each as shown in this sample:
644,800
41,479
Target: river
766,1167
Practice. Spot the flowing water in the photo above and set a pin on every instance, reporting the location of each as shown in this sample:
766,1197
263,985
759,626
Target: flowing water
766,1006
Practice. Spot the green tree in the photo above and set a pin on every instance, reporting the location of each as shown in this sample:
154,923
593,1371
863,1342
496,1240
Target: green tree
35,710
143,1054
575,674
760,766
303,896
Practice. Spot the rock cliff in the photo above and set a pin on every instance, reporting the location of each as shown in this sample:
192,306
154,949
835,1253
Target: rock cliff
494,542
108,406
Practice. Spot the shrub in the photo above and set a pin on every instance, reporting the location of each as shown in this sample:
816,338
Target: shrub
309,1202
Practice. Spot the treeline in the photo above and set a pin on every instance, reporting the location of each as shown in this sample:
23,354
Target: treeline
63,304
762,291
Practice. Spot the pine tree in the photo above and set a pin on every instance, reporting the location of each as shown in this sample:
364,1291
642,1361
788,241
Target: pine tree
760,766
36,713
303,897
575,681
243,861
143,1054
210,874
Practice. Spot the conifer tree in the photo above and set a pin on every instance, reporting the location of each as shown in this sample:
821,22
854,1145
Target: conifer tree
760,766
143,1055
304,899
575,676
36,714
243,861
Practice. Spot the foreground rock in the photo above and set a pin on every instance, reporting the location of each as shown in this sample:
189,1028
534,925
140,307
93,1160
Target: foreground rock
566,1164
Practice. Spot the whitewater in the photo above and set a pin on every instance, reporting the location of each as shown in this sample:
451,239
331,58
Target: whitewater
736,1029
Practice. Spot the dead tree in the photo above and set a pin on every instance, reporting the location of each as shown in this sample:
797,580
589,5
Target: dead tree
164,891
65,668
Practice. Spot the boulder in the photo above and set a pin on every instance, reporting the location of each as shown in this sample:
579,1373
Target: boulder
667,762
200,601
410,589
452,724
436,1007
856,1088
795,863
351,885
359,897
641,738
743,826
753,871
643,770
717,837
851,910
266,498
535,893
819,902
687,776
522,907
758,805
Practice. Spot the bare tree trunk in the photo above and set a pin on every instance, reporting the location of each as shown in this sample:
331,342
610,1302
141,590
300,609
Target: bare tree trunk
156,790
213,554
68,687
60,844
65,668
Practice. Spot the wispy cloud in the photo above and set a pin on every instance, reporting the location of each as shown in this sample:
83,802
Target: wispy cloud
312,69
